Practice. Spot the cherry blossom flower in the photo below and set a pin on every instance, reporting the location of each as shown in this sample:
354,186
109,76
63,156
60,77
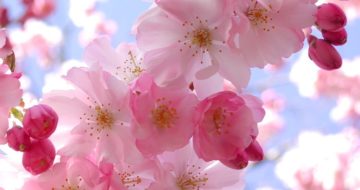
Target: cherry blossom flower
226,126
97,114
163,116
186,40
259,26
124,62
183,170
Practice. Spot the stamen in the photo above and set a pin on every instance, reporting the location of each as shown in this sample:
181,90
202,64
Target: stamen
164,115
192,179
258,16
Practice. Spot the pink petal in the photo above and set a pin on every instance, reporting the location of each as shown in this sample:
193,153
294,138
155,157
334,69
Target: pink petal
158,31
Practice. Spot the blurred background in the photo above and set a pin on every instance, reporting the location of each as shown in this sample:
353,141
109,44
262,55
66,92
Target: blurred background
312,126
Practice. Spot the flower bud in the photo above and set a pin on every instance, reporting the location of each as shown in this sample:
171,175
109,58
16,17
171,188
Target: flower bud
40,157
330,17
40,121
335,38
17,139
323,54
254,151
240,162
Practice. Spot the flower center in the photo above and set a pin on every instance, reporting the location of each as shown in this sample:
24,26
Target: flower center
219,119
129,180
201,37
104,118
99,119
68,186
258,16
164,115
192,179
132,68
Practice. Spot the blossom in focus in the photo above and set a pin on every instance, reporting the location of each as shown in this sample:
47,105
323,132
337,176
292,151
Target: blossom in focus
186,40
226,128
97,114
162,116
259,26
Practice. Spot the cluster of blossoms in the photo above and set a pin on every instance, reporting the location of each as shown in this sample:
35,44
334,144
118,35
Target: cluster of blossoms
168,112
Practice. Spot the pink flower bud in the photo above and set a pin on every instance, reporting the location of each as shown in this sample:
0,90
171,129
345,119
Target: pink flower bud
17,139
40,121
254,151
40,157
330,17
240,162
335,38
323,54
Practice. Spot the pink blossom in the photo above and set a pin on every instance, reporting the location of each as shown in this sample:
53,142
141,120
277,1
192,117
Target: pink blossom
182,169
97,114
70,173
124,62
163,116
259,26
40,121
226,125
10,95
186,40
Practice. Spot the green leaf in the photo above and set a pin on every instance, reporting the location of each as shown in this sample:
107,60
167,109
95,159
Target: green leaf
17,114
